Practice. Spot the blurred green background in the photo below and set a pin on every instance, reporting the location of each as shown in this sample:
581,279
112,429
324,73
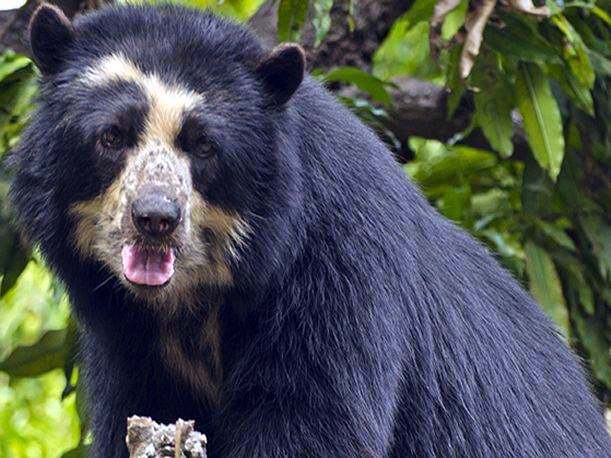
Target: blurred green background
535,188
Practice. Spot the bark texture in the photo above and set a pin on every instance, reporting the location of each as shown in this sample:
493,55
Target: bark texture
148,439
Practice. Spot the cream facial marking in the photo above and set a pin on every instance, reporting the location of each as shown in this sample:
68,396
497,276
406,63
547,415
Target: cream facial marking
233,229
153,165
167,102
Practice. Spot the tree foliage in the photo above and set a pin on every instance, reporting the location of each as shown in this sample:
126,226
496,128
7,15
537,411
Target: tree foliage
532,75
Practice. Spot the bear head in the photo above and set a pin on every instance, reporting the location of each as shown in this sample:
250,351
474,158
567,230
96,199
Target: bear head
158,147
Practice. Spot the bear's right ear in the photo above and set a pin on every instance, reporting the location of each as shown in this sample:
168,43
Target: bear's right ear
51,35
282,71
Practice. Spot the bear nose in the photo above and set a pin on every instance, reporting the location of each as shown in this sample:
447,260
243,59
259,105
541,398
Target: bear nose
155,215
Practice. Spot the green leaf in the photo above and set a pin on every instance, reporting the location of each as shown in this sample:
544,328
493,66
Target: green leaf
420,11
537,193
569,187
579,93
321,19
600,63
586,298
81,407
592,38
594,337
556,234
366,82
599,235
520,38
14,260
403,53
375,117
493,105
33,360
454,20
502,243
445,169
542,120
601,14
236,9
11,63
72,348
291,17
545,284
351,16
576,283
16,94
80,451
455,203
489,205
575,52
454,82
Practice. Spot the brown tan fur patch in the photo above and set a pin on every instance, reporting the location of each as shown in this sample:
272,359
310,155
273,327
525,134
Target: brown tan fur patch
200,366
91,213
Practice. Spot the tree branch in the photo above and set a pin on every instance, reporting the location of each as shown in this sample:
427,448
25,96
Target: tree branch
146,438
14,23
420,109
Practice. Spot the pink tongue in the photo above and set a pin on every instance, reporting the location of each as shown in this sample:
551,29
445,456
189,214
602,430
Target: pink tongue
145,267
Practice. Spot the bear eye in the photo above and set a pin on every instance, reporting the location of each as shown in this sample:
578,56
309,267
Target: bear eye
112,138
206,147
203,147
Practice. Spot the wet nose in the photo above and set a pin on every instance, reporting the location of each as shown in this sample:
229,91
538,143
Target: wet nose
155,215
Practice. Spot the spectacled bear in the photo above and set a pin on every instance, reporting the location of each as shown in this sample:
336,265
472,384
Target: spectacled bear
241,250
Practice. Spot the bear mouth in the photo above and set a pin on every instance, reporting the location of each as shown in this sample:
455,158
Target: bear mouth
147,266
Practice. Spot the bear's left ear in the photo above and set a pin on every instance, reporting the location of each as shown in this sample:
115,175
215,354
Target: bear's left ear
51,34
282,70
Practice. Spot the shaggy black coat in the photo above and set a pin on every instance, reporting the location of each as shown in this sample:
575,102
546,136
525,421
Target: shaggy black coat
360,323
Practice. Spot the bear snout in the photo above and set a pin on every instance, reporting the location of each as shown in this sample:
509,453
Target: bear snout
155,214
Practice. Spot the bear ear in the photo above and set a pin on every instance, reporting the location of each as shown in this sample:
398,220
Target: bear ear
51,34
282,71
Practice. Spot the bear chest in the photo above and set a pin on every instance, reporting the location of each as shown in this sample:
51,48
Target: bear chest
191,352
